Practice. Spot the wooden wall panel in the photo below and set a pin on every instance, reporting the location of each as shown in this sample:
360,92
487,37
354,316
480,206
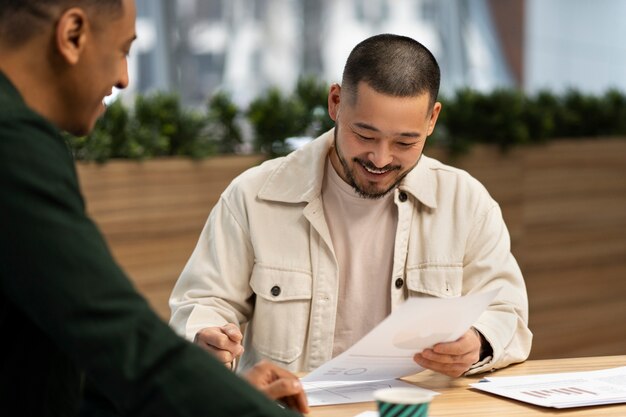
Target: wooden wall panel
152,212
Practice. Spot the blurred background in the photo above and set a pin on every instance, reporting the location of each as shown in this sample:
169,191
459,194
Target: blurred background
195,47
534,107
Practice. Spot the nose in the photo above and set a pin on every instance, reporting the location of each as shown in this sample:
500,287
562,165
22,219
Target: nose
380,155
122,82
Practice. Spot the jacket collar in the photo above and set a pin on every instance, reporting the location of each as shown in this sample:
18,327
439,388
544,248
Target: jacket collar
420,182
8,90
300,175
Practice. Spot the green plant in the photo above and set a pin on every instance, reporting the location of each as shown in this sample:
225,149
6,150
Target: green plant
222,116
456,121
157,126
495,118
615,110
540,115
313,94
276,117
163,128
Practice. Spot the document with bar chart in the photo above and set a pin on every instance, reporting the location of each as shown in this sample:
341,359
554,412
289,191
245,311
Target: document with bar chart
564,390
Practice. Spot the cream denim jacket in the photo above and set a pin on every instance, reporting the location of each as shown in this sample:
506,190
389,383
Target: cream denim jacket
265,260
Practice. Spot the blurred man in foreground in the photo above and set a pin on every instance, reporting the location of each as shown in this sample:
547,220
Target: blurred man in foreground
67,312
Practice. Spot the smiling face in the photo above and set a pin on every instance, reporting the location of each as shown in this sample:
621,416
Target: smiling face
378,138
102,65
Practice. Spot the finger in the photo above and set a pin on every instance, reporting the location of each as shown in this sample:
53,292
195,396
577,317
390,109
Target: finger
283,387
453,354
458,348
452,349
223,356
297,402
290,391
466,359
449,369
273,372
214,336
439,357
232,331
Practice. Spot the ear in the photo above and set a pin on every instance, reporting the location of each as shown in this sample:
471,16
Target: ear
434,115
334,97
71,34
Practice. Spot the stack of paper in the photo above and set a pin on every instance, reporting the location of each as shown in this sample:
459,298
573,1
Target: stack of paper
564,390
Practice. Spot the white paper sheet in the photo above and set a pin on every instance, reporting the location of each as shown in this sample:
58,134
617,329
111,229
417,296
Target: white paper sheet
338,393
563,390
387,351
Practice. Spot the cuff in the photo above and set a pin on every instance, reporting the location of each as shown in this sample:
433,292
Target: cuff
486,355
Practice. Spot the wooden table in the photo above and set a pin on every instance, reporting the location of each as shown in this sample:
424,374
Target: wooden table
458,399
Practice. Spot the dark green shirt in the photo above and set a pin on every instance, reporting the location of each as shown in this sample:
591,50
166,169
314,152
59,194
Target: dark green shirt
67,310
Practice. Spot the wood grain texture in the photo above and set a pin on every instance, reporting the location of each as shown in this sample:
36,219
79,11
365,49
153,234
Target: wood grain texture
151,213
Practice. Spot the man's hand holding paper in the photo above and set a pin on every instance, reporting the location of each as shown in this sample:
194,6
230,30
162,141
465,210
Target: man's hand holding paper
436,327
420,325
452,358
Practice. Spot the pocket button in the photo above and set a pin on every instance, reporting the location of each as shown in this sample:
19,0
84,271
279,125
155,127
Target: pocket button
275,290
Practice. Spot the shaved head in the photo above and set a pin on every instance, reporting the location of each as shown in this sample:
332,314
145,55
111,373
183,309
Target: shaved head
394,65
20,20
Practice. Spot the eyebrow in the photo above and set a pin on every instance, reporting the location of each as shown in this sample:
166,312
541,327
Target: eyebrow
375,129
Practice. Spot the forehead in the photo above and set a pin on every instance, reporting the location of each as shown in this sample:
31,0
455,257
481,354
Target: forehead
382,109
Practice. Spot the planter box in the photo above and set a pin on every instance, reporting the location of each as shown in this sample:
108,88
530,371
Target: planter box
564,203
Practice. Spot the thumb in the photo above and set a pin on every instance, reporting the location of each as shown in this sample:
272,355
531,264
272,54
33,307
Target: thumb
232,331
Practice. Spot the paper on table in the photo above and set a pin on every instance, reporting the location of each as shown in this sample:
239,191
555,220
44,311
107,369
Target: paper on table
349,392
562,390
387,351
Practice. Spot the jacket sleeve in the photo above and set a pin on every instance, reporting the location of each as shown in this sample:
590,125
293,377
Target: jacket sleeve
214,287
489,264
56,268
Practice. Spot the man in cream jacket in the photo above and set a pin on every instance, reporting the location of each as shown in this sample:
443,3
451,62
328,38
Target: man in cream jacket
310,251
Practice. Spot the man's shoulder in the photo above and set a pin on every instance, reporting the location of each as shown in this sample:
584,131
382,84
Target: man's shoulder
24,133
19,122
456,187
448,175
252,179
31,147
291,179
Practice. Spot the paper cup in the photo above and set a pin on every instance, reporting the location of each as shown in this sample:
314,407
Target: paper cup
405,402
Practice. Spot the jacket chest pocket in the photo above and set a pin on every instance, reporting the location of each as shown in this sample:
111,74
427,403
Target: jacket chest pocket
281,314
441,281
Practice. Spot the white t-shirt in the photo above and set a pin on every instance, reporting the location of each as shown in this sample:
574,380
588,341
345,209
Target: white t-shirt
363,233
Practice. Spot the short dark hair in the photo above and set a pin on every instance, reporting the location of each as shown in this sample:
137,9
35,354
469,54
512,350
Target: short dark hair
22,19
395,65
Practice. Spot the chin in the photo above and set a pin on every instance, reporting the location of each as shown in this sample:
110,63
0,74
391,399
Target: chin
80,129
82,123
